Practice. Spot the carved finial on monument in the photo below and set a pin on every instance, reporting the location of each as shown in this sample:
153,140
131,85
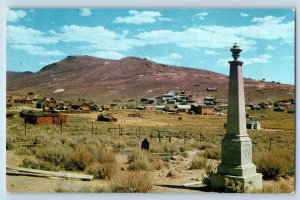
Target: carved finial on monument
236,50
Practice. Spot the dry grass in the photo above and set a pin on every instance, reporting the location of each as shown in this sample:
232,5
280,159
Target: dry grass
132,182
81,150
143,160
102,170
281,186
212,153
275,163
55,156
198,162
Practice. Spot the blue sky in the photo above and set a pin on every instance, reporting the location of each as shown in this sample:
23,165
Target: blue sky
198,38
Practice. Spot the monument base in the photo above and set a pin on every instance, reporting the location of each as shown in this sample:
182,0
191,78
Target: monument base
253,181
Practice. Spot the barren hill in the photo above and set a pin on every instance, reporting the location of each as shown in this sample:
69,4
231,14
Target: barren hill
130,77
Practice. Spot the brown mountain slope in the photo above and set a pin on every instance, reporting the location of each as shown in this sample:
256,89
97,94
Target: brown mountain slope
106,80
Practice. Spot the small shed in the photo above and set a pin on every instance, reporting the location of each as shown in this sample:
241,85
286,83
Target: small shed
253,124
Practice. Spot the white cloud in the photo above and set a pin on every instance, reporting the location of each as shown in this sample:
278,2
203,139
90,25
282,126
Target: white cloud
202,15
193,38
268,19
141,17
267,28
210,52
37,50
262,59
270,47
174,56
85,12
15,15
24,35
107,54
244,14
97,38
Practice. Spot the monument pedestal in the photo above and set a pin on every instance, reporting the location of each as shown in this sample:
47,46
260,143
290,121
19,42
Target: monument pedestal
237,164
253,181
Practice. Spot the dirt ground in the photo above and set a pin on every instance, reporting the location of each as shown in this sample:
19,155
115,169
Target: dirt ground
162,182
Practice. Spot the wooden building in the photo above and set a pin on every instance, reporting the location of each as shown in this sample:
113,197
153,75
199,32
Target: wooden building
38,118
203,109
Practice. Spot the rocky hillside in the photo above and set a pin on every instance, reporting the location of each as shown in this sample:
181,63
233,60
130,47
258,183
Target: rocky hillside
130,77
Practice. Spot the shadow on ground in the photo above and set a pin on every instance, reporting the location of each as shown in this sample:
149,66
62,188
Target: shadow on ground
197,188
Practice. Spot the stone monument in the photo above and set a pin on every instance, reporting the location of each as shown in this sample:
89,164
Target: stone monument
236,147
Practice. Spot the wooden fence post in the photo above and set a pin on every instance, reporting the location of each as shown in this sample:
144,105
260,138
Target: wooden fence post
139,132
159,136
270,146
25,126
200,139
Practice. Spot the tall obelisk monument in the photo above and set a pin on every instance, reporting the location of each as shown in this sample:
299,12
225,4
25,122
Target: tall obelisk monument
236,147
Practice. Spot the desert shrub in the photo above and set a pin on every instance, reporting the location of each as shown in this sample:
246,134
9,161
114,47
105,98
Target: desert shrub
198,162
185,154
79,159
119,145
140,164
132,182
274,164
30,163
143,160
10,142
209,170
101,170
23,151
53,155
105,155
212,153
204,145
35,164
163,148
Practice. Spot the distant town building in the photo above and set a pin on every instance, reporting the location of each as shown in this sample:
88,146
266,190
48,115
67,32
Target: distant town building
38,117
253,124
212,89
183,108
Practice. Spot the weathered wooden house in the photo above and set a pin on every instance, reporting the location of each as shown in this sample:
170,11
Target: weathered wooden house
203,109
37,118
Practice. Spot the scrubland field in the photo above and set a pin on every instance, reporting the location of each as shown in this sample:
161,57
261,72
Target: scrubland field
184,149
